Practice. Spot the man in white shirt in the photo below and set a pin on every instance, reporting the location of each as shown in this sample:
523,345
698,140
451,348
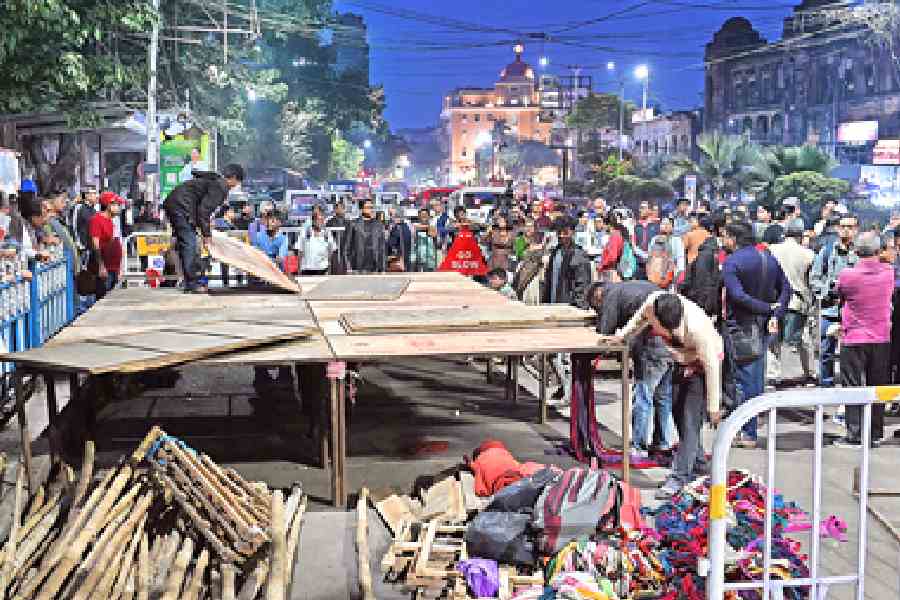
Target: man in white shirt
316,245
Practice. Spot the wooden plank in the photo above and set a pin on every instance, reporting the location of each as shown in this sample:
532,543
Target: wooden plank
471,343
250,260
472,317
314,349
354,287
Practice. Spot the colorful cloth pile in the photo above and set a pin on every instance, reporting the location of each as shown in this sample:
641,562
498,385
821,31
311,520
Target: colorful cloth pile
683,522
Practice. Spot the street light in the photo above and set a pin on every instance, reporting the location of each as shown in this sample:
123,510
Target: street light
643,73
611,67
544,61
367,144
251,95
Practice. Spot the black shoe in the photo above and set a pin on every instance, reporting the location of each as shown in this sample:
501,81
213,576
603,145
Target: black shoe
875,444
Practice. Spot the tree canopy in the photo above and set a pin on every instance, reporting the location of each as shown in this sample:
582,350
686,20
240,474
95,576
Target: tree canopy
810,187
597,111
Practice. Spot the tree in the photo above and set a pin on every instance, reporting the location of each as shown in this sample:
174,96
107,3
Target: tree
345,158
795,159
729,163
810,187
598,111
519,159
631,190
600,176
299,123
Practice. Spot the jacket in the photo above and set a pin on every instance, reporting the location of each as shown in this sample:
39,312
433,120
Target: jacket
747,296
612,252
354,245
703,279
572,279
866,290
79,221
276,248
699,341
400,243
830,261
620,302
644,232
692,241
796,262
198,199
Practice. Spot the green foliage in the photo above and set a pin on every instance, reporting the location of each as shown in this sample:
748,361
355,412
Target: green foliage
597,111
630,190
729,163
782,161
299,123
601,175
346,158
519,159
810,187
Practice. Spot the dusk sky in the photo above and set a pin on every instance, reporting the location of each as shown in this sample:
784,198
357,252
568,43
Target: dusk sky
422,49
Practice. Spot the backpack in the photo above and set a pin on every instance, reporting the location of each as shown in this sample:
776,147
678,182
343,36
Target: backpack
703,283
573,506
627,262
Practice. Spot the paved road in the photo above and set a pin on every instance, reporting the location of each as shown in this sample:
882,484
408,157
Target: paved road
403,406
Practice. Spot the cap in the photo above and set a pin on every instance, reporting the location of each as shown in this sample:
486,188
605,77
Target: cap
791,201
28,186
107,198
841,210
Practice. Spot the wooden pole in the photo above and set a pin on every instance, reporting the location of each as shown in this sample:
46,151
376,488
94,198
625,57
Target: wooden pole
275,587
626,415
87,472
24,433
179,567
8,568
362,545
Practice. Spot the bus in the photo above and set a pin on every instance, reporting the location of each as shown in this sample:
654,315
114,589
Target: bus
434,193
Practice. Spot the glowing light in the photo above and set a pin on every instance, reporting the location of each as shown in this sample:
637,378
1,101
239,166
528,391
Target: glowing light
518,48
610,66
251,95
642,72
483,139
367,144
544,61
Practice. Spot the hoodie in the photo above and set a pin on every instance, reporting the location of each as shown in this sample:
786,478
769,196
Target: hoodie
198,199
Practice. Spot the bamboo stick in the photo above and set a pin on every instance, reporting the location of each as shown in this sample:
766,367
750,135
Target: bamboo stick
37,501
192,589
142,577
39,537
83,538
278,549
114,583
130,584
163,564
87,472
179,567
8,568
362,545
292,541
228,576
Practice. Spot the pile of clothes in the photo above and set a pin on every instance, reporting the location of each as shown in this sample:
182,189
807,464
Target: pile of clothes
682,523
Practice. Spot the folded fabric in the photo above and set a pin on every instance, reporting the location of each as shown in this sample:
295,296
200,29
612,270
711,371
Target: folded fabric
482,576
495,468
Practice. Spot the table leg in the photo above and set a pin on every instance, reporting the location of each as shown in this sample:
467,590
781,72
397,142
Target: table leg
52,414
337,442
24,433
489,370
514,380
542,389
626,417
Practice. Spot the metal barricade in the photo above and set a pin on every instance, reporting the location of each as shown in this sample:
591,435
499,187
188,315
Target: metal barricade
52,299
15,307
771,403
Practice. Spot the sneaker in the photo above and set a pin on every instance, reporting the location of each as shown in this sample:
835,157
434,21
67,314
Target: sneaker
668,489
846,442
875,444
743,441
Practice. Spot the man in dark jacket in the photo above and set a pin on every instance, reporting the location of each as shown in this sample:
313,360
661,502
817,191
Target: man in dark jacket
566,279
757,294
703,279
400,241
616,304
190,206
365,244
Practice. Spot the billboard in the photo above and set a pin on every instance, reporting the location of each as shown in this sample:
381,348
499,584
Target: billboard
857,132
178,157
690,188
880,183
886,152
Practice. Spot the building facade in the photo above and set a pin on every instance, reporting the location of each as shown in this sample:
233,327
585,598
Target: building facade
473,118
820,76
672,135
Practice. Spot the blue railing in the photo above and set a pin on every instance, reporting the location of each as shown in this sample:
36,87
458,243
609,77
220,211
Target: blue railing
31,312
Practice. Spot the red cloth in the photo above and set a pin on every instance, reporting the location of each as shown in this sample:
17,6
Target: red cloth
495,468
102,228
613,252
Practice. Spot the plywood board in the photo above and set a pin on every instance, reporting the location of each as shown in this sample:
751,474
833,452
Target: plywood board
314,349
250,260
152,350
470,343
358,287
469,318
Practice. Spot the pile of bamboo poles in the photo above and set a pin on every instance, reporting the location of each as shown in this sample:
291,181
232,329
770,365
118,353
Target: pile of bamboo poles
158,525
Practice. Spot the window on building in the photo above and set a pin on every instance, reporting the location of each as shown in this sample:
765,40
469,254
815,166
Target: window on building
739,98
685,146
464,153
464,118
646,147
747,125
871,83
490,116
477,118
674,145
777,125
655,147
762,126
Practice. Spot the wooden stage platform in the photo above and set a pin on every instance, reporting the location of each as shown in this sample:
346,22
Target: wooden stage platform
430,315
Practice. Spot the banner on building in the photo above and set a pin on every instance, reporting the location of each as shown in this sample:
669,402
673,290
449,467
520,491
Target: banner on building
887,152
464,256
857,132
178,157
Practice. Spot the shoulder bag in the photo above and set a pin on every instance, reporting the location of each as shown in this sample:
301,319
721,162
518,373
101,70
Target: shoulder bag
746,338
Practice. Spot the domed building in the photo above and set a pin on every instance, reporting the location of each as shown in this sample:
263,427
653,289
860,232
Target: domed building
471,116
812,86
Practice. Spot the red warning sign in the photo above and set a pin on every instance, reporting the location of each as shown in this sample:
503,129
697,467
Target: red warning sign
464,256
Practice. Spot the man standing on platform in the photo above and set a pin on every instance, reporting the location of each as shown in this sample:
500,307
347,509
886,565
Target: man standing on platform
106,247
190,206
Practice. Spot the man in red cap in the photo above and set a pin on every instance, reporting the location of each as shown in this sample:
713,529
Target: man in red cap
106,248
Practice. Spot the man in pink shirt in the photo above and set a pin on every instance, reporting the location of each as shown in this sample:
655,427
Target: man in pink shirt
865,291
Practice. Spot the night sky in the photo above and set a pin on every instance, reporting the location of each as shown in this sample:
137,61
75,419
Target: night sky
425,48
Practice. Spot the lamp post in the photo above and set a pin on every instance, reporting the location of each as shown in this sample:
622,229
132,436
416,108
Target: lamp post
611,67
643,73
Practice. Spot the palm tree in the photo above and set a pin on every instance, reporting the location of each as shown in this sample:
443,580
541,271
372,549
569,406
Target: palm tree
782,161
729,162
